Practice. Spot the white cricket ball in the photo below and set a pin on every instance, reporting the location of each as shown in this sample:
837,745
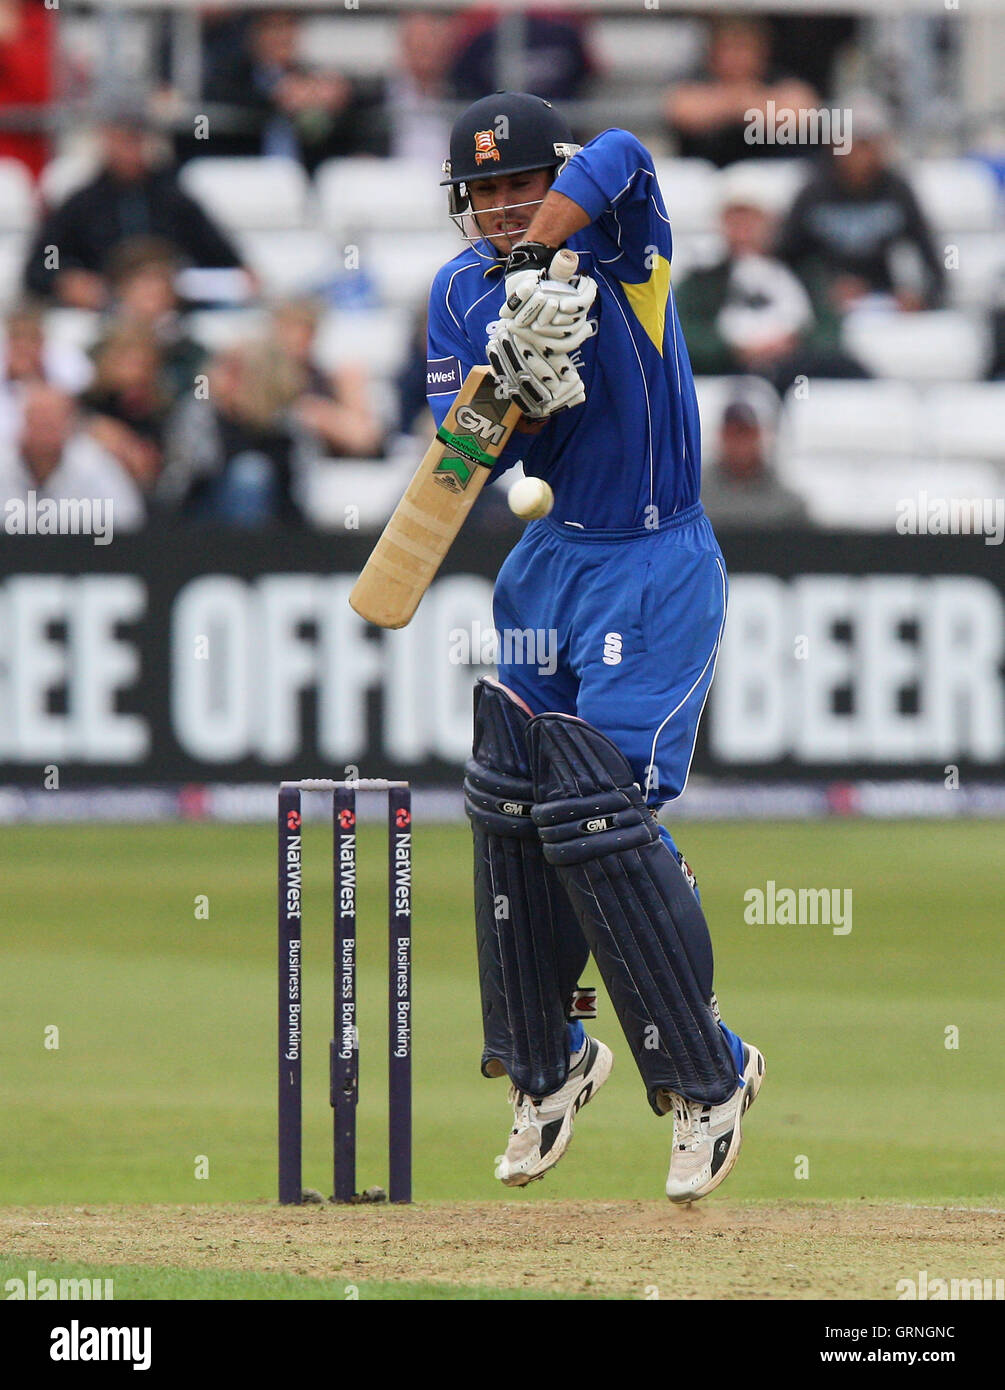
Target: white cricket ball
530,498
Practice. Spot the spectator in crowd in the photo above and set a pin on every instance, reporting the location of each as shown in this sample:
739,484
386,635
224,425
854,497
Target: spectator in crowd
142,278
222,33
132,195
996,369
333,406
53,458
553,51
414,416
289,109
416,126
749,313
741,488
28,357
711,117
814,45
856,231
26,42
233,456
127,404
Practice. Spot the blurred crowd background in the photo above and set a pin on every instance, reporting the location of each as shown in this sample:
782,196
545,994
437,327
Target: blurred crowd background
219,222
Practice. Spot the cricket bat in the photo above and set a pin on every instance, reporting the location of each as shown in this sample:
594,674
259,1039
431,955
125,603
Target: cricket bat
445,487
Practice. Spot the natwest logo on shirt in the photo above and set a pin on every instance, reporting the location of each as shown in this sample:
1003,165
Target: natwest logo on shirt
443,375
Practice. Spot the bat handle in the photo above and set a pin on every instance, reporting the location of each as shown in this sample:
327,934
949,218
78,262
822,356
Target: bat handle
564,265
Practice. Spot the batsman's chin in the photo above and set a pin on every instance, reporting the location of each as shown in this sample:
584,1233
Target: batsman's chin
505,241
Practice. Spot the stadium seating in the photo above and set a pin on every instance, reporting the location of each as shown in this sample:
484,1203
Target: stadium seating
655,50
694,249
957,194
716,392
405,280
290,262
851,448
644,51
378,340
855,417
254,193
77,328
968,421
65,174
944,345
691,193
854,448
13,250
214,329
364,194
18,212
17,197
355,44
774,182
374,487
975,274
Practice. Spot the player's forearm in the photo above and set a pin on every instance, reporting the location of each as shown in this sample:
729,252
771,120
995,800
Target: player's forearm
557,219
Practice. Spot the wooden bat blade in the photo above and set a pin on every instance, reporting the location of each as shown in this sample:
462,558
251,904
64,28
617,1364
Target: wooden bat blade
435,504
443,490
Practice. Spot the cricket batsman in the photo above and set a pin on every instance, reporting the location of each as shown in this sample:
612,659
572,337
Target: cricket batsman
569,768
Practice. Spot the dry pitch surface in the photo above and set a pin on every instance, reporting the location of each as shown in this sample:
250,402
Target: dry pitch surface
600,1250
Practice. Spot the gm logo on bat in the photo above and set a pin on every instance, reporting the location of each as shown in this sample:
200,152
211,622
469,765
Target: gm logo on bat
469,419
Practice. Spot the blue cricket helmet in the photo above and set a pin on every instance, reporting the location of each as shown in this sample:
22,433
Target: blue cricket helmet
505,133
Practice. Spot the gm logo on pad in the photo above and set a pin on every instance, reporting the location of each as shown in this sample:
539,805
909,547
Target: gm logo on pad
598,823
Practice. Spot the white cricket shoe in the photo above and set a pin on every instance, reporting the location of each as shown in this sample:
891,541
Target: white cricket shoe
706,1138
542,1130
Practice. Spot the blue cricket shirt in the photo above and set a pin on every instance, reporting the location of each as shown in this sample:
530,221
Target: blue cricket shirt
635,444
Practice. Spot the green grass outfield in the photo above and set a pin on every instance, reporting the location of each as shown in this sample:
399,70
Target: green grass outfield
156,1283
166,1070
167,1022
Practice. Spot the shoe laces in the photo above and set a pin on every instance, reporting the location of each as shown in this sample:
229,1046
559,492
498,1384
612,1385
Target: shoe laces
522,1107
684,1117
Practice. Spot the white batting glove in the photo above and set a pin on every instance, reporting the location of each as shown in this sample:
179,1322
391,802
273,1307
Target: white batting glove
541,383
551,313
